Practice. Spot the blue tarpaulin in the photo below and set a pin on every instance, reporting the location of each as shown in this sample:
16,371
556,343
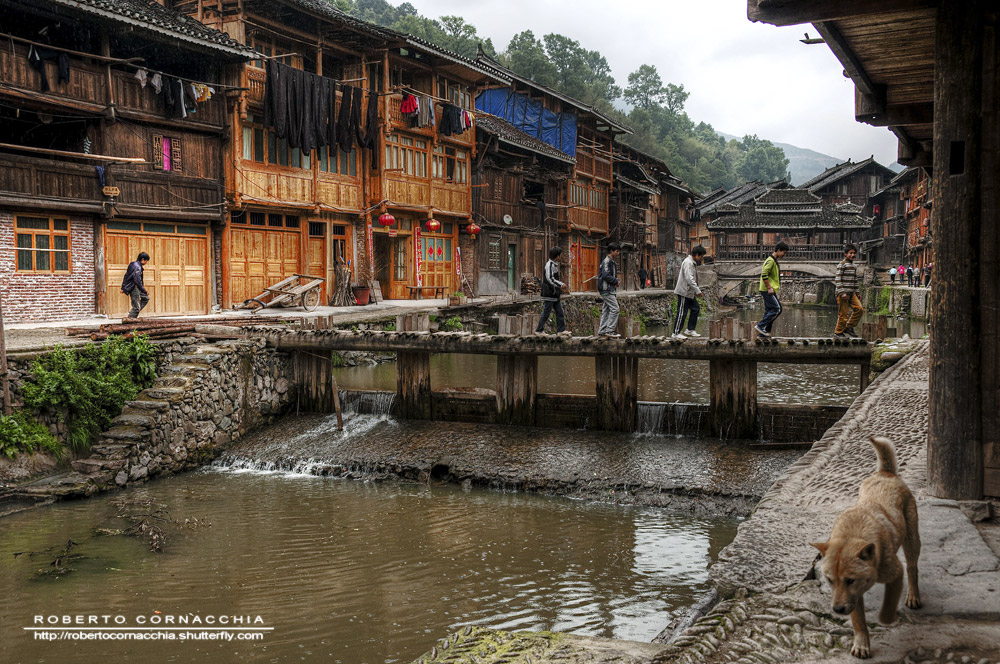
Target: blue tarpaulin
528,115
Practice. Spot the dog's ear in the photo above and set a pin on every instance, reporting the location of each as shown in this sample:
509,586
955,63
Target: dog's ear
822,546
867,553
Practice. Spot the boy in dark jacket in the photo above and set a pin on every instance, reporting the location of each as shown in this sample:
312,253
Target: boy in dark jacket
607,284
133,287
552,289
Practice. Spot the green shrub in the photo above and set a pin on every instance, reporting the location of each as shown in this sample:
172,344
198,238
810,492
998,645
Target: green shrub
884,300
453,324
88,388
19,432
594,311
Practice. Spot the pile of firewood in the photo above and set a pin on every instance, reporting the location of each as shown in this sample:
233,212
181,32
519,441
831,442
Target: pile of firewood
530,285
341,294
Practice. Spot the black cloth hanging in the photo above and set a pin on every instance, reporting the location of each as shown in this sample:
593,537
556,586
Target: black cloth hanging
356,122
451,122
331,114
37,57
345,132
371,124
306,84
173,102
275,98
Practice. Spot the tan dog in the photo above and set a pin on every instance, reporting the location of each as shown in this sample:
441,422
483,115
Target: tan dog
862,548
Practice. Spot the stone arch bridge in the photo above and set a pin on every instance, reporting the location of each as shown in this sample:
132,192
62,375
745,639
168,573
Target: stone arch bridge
733,273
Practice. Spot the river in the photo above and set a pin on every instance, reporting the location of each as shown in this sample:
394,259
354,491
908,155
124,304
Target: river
356,571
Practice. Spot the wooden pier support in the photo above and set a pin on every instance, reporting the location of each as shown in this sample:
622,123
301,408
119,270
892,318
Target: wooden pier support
413,372
733,391
517,376
617,392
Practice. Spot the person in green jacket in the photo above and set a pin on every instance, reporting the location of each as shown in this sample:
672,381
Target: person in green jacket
770,282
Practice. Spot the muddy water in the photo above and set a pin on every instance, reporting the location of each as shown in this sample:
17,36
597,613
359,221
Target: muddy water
659,380
348,571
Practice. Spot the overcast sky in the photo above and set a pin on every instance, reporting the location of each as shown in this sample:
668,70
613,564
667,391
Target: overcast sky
744,78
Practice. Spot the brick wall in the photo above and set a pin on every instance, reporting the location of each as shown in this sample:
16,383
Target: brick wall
47,297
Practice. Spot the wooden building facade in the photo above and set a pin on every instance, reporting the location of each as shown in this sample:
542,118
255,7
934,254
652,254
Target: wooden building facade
849,182
306,211
101,158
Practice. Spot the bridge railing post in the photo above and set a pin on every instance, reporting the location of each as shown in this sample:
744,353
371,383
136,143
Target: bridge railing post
733,393
517,376
413,372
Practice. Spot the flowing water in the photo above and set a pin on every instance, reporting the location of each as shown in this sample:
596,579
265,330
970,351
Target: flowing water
363,572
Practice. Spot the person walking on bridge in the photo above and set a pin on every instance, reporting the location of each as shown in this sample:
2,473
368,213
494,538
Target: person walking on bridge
849,309
688,292
552,289
770,283
607,284
892,276
909,276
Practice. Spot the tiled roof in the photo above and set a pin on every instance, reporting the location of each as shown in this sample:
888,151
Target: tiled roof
789,196
840,171
508,133
737,195
641,186
154,17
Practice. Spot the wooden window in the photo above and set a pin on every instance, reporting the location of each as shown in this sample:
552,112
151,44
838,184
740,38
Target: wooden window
166,153
330,156
317,228
406,154
42,244
456,93
263,146
493,254
451,164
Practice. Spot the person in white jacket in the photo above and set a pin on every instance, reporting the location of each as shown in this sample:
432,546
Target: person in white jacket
688,292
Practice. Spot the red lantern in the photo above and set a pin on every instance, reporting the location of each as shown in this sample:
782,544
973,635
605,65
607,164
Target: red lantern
432,225
386,220
473,229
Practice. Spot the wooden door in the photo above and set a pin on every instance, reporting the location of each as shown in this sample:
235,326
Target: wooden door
588,268
259,258
512,267
401,260
176,276
316,262
438,263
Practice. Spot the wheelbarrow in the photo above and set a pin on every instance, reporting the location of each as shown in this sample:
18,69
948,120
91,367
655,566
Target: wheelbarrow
287,293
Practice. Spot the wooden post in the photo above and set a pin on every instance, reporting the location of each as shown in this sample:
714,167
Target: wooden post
989,263
866,372
955,428
336,398
4,378
517,376
413,372
617,392
733,391
715,329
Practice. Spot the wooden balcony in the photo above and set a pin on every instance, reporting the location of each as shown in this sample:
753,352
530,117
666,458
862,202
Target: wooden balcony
86,89
796,252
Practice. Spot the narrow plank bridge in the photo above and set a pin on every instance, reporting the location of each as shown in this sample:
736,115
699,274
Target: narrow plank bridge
732,366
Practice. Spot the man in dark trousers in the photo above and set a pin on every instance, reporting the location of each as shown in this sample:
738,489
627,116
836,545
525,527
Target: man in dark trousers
770,282
643,276
552,289
909,276
607,284
133,287
688,291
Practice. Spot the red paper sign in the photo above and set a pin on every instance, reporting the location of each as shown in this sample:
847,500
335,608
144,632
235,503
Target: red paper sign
418,254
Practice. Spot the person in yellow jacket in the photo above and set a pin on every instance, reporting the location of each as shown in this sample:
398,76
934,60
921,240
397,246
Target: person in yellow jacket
770,282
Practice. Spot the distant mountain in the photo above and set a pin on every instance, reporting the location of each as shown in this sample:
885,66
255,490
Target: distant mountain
803,163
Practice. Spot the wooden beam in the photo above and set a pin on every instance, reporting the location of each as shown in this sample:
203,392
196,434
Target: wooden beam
955,432
733,392
794,12
852,66
911,152
869,111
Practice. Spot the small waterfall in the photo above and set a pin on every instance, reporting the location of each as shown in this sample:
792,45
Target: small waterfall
680,418
368,402
650,417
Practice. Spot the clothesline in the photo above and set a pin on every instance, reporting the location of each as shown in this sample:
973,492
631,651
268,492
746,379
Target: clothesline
70,51
78,155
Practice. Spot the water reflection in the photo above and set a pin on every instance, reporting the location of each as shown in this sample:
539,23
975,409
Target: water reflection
353,572
670,381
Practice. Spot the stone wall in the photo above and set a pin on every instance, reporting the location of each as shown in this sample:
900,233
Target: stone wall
207,396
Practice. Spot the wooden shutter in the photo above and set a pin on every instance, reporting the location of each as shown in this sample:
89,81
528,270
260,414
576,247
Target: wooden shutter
158,152
175,155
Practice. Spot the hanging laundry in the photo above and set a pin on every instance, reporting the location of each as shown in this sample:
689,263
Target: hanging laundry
173,98
190,98
157,82
409,104
301,106
345,130
425,111
356,121
141,75
203,92
100,175
451,120
467,119
37,57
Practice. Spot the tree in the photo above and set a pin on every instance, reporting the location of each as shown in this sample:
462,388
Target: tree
760,160
645,88
526,55
676,96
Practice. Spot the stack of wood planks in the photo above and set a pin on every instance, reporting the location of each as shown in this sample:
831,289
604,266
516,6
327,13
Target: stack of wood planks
166,328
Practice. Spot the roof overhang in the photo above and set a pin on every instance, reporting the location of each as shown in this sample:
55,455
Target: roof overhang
887,49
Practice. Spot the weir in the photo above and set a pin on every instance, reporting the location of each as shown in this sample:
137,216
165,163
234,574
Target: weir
734,411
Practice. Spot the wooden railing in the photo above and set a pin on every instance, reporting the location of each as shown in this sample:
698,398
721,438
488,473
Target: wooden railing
48,178
255,81
755,252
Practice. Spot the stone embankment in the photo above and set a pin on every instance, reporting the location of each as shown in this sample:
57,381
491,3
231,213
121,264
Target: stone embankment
207,396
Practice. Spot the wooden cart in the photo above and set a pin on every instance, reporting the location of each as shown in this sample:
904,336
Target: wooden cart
287,293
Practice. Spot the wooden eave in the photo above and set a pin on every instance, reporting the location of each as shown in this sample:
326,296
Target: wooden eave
887,50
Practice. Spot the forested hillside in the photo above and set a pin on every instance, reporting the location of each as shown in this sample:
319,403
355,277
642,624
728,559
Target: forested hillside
695,152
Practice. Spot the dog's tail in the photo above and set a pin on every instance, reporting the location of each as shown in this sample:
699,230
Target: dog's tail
886,454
